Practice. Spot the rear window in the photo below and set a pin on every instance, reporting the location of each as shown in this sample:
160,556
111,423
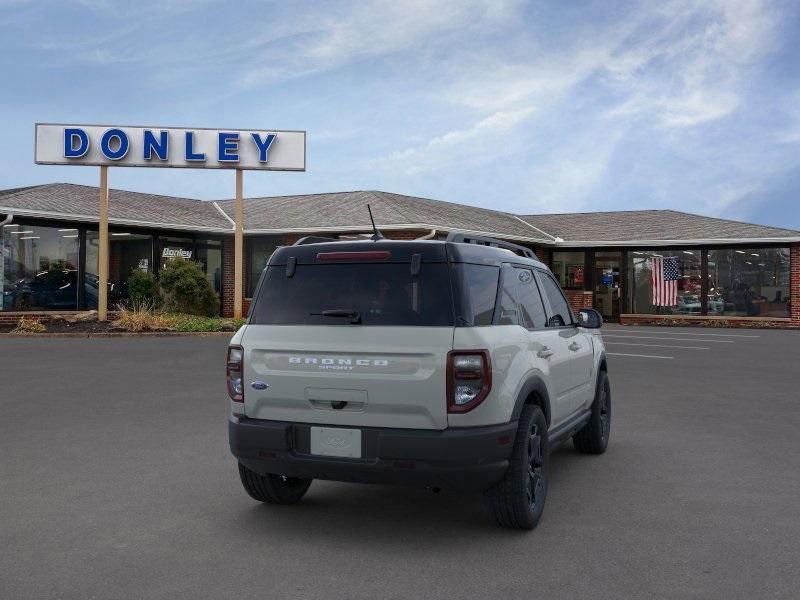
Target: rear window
380,293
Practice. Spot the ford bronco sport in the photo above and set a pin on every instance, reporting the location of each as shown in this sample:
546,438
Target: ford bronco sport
452,364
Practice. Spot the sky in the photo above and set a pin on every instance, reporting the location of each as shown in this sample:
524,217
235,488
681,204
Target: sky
528,107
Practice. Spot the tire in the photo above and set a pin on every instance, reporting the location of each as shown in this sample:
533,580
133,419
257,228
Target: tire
593,438
517,501
273,489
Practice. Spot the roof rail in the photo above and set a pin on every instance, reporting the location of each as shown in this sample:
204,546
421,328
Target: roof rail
465,238
313,239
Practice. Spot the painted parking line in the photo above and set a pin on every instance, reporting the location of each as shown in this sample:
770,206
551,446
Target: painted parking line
638,355
734,335
653,337
657,346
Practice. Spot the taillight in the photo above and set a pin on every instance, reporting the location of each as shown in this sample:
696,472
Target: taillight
234,373
469,379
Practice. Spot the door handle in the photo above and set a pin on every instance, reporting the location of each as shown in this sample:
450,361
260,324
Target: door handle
545,352
574,346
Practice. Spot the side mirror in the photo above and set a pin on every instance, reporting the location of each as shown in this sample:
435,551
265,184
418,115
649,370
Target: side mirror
590,318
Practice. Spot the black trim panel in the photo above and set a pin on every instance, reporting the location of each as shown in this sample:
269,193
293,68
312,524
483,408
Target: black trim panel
463,459
534,384
559,435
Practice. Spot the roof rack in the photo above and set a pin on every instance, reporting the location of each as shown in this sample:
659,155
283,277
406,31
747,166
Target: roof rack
313,239
465,238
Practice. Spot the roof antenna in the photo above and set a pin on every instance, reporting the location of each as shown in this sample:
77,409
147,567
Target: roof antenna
377,235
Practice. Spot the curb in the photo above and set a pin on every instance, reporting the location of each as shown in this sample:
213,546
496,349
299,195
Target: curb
119,334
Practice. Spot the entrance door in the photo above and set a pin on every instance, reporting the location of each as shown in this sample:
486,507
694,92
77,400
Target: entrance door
607,284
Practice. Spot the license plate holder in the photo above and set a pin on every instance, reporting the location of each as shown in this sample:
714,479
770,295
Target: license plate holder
336,441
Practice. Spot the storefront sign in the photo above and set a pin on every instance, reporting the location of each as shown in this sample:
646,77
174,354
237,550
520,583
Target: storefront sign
110,145
176,253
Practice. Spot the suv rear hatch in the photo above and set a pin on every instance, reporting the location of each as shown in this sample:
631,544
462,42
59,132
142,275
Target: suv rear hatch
351,334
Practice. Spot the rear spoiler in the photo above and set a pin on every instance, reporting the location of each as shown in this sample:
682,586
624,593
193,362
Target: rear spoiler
314,239
465,238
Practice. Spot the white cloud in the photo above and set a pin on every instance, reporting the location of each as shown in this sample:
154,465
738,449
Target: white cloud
671,70
475,144
345,33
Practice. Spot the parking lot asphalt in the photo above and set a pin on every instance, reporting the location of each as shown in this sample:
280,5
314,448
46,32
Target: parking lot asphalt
116,482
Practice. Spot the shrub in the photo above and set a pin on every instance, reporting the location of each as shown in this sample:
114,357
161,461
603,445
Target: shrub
28,325
186,289
195,323
143,289
141,317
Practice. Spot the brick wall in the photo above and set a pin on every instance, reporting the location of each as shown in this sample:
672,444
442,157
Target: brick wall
709,321
794,283
579,299
227,276
13,317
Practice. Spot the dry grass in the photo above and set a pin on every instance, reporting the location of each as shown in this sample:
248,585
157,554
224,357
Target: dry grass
26,325
142,317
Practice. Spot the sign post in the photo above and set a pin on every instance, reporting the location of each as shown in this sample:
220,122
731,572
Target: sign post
102,254
176,147
238,243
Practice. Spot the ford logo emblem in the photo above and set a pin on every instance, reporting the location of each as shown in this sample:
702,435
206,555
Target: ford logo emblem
259,385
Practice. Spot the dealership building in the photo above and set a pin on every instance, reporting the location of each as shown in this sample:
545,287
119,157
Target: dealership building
721,271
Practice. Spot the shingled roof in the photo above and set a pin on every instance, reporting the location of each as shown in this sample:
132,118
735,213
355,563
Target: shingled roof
664,226
347,211
79,203
343,211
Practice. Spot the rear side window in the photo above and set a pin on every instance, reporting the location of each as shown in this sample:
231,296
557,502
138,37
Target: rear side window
477,292
380,293
559,308
530,300
520,300
509,305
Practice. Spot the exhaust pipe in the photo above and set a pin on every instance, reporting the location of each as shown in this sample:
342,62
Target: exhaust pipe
7,220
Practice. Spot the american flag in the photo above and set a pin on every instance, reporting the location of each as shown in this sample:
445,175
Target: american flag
664,277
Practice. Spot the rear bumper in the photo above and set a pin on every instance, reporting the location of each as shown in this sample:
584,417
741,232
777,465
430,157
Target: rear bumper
463,459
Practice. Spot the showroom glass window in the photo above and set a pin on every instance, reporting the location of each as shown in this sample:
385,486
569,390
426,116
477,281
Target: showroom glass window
645,296
128,251
39,268
258,252
176,247
747,282
569,269
209,255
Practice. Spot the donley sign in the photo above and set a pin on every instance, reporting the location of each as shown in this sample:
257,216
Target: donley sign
189,148
121,146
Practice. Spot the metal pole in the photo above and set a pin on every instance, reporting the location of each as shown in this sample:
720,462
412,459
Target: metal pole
238,253
102,256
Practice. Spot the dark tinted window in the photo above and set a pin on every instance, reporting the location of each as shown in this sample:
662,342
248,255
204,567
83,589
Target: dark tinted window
507,299
530,301
382,294
558,304
478,291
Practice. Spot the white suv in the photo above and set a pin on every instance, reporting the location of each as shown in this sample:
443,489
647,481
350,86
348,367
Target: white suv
452,364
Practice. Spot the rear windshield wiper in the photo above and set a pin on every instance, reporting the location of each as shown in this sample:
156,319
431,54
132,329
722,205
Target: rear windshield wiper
345,313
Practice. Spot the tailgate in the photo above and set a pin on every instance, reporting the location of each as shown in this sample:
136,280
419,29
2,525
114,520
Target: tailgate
371,376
